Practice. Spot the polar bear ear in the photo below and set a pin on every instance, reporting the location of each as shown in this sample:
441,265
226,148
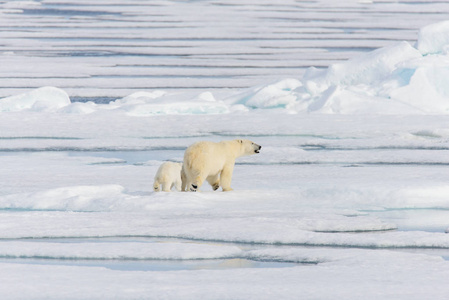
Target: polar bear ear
240,141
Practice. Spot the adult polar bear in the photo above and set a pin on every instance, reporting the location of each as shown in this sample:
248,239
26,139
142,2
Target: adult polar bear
213,162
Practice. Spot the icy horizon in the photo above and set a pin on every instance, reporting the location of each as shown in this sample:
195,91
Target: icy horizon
105,49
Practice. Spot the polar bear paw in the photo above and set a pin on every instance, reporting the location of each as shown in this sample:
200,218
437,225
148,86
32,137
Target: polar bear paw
193,188
215,186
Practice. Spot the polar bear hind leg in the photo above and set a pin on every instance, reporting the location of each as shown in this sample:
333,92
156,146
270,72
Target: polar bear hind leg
190,181
184,182
165,183
197,182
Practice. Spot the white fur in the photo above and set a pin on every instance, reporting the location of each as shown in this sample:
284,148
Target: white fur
213,162
168,176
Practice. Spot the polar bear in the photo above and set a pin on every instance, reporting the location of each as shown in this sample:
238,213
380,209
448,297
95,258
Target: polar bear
167,176
213,162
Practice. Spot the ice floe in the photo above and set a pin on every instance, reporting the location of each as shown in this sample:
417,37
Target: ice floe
41,99
433,38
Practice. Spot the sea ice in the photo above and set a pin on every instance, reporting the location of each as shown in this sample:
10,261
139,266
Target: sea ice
365,69
275,95
354,156
157,104
350,276
397,79
41,99
433,38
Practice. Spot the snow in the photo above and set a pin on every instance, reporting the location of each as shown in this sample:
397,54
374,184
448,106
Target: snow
154,103
347,199
365,69
360,276
433,38
41,99
111,251
274,95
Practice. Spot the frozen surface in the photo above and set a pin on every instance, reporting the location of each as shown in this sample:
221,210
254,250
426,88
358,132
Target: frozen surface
45,98
394,80
348,199
109,49
361,209
433,38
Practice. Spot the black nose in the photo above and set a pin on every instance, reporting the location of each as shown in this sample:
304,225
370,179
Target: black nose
260,147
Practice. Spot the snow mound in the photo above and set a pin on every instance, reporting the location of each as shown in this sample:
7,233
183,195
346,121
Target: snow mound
160,103
76,198
80,108
428,86
365,69
398,79
275,95
433,38
41,99
340,100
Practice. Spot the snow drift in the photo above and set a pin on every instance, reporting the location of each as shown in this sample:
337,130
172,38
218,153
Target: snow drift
41,99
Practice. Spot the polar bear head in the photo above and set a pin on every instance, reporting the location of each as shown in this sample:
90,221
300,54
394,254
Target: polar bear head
248,147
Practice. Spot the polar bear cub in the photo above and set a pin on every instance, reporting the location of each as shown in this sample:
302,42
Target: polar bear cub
213,162
168,176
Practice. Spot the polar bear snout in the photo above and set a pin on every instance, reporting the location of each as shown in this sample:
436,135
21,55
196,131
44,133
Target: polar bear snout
257,148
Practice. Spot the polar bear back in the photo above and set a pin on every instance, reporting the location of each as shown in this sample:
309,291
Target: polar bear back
169,170
208,156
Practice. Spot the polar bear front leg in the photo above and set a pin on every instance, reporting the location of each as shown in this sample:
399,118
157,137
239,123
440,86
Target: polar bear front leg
156,186
214,181
226,177
178,186
166,186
